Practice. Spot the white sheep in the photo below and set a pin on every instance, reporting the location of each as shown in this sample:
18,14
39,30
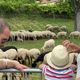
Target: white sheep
21,35
63,28
52,28
19,39
62,34
49,27
53,35
37,34
23,54
11,53
34,53
1,51
74,34
3,55
12,35
46,33
48,45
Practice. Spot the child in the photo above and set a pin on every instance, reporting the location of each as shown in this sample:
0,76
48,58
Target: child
57,64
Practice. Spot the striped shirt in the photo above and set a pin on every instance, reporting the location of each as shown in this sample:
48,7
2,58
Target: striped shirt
52,74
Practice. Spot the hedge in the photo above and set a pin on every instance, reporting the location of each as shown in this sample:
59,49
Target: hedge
18,6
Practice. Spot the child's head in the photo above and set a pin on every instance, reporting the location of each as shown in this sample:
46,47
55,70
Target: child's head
59,58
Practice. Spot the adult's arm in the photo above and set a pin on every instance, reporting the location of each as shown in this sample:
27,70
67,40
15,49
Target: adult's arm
6,63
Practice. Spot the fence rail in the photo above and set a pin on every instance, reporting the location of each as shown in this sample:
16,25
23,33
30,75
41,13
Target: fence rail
18,71
10,73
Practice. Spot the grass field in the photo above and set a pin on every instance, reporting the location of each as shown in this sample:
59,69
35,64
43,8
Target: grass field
37,44
36,22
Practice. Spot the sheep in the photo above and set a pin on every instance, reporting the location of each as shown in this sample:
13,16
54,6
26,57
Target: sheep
63,28
22,55
53,35
27,34
56,29
38,34
21,35
48,45
62,34
1,51
3,55
74,34
19,39
8,52
52,28
49,27
34,53
11,54
40,58
13,35
46,34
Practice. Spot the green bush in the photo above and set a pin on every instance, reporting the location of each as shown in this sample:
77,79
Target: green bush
18,6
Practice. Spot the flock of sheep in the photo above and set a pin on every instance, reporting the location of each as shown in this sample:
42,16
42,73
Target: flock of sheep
26,56
23,54
51,32
26,35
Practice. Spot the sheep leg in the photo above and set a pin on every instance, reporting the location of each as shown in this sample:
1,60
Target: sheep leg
5,77
13,76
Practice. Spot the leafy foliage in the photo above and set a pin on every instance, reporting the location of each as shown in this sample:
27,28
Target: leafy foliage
18,6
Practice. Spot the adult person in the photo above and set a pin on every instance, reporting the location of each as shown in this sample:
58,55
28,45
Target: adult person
4,35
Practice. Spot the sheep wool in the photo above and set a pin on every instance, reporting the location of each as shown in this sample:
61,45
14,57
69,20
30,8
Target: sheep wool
11,53
49,44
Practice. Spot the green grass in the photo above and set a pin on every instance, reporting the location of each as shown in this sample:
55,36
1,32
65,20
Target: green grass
27,44
36,22
37,43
